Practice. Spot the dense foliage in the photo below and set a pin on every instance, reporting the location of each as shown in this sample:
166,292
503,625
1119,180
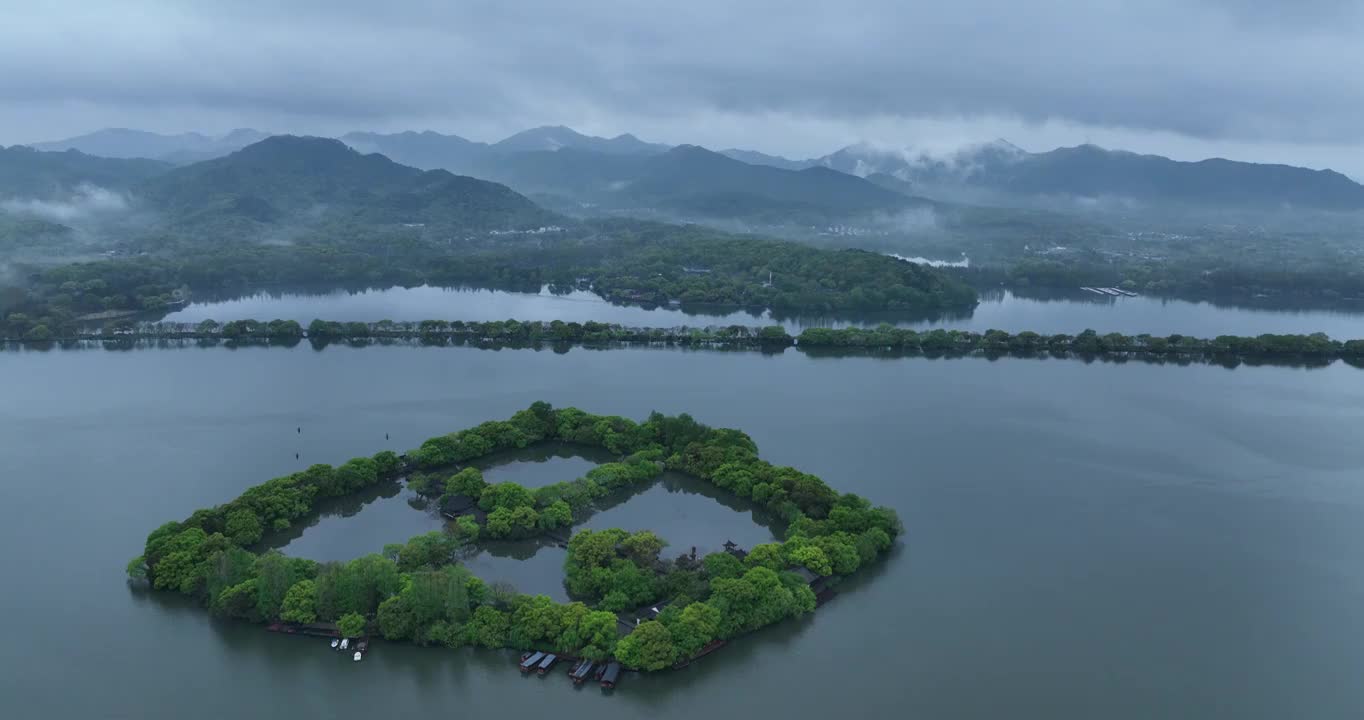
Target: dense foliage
1315,348
1087,342
621,260
417,591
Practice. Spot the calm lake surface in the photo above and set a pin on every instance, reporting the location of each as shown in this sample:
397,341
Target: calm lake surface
1000,310
1083,540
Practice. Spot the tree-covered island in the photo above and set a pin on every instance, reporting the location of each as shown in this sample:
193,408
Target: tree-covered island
418,591
1292,349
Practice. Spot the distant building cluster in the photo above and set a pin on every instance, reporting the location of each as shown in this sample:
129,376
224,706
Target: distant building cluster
537,231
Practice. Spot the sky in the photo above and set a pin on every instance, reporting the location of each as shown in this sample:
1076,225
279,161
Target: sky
1260,80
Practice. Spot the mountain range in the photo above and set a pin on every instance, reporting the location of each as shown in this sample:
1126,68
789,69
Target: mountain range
998,171
281,182
286,179
571,171
32,174
179,149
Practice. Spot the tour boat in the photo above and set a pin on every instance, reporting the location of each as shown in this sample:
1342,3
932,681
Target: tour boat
530,660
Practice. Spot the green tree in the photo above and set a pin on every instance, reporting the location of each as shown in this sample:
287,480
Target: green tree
468,481
395,619
558,514
274,576
505,495
243,527
649,647
300,603
489,627
696,625
38,333
351,625
841,551
768,555
499,523
813,559
387,463
537,622
643,547
137,568
239,601
722,565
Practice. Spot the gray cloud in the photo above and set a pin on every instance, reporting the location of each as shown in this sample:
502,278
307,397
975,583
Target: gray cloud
781,76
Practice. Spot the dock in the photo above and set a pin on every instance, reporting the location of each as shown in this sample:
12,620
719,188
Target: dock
327,630
1109,291
707,649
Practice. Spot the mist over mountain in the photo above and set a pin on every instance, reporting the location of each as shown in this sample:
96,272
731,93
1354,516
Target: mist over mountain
426,150
559,137
990,173
287,179
1001,173
32,174
179,149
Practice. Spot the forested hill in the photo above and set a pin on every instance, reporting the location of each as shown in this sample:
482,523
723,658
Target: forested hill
690,182
687,172
29,173
181,148
286,180
1089,171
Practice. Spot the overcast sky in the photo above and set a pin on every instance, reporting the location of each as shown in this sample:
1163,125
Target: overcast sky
1264,80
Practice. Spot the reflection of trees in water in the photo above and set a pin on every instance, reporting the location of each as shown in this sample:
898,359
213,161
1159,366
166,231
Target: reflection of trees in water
544,452
525,549
676,482
511,549
344,506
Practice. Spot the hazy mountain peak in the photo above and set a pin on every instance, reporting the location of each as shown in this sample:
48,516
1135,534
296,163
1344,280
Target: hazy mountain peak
547,137
181,147
276,144
556,137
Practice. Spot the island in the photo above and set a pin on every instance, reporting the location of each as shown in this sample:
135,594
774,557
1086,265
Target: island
1315,349
683,607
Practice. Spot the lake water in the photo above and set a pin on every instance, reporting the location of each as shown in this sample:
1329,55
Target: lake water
1001,310
1083,540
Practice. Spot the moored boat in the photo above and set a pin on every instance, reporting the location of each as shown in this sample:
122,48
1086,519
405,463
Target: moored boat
530,660
610,675
582,671
546,663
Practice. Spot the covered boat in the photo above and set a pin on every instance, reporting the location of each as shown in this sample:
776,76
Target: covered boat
582,671
530,660
547,662
610,674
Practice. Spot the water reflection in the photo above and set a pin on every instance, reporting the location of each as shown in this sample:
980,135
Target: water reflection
685,511
1045,311
338,530
542,464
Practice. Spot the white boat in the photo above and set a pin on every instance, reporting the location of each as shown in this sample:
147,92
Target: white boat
335,642
345,642
357,656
